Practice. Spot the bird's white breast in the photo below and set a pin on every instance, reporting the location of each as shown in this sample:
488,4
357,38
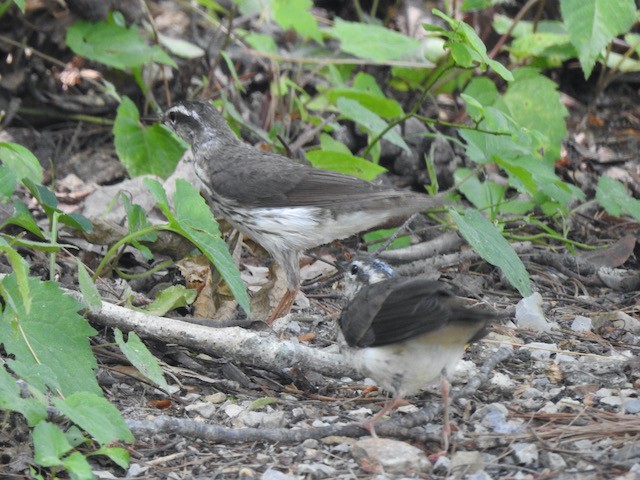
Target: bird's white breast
409,366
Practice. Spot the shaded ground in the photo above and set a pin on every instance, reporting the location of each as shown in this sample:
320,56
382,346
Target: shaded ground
564,404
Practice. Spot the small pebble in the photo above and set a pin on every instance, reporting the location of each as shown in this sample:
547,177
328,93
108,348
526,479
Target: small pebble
525,454
581,324
632,405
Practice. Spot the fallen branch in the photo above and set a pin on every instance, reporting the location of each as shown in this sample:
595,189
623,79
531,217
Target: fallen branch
258,349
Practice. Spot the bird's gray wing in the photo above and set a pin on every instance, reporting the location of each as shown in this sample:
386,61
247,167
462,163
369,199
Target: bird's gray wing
286,183
399,309
393,311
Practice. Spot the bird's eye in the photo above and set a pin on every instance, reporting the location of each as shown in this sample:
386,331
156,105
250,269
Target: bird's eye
354,269
172,117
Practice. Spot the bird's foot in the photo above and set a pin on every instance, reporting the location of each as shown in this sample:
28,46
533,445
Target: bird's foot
370,427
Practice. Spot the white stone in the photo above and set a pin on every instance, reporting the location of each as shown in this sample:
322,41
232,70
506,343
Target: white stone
581,324
529,314
391,455
525,454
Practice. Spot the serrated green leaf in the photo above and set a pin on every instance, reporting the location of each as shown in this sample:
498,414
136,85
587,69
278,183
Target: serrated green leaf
95,415
90,294
33,410
592,24
21,161
144,150
487,241
370,121
113,45
49,444
141,358
615,199
344,163
159,195
377,43
295,14
60,339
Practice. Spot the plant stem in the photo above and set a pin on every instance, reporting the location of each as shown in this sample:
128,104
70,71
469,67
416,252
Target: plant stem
111,253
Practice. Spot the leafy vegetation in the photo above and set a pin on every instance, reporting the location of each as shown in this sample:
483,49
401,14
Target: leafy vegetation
515,123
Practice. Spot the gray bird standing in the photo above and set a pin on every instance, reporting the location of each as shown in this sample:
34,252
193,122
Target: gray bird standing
284,206
405,332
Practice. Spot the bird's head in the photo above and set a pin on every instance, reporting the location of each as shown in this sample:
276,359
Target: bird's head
197,122
360,273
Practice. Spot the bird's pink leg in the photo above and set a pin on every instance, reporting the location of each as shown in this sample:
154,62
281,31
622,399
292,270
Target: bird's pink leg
390,404
446,427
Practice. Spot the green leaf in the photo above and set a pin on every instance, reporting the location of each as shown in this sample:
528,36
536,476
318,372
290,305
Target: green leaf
119,456
373,42
90,294
467,49
21,272
60,339
483,195
180,47
78,467
344,163
170,298
487,241
141,358
543,112
49,444
95,415
8,181
22,217
615,199
262,402
262,42
33,410
20,4
21,161
370,121
378,237
144,150
75,220
295,14
159,195
196,222
592,24
113,45
385,107
45,197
